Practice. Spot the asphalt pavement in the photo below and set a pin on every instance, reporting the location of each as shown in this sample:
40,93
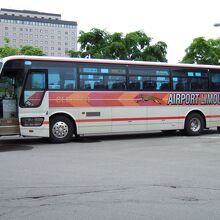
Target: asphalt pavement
145,176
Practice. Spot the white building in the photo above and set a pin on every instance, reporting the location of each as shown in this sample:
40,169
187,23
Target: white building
43,30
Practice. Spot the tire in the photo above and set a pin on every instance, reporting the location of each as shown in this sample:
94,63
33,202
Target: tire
194,124
61,129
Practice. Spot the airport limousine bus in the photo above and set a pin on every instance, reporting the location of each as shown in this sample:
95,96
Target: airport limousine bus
62,97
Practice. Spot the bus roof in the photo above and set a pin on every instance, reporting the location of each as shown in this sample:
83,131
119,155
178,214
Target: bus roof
104,61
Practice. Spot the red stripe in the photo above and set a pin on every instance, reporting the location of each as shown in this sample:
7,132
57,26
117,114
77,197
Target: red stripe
130,119
213,116
134,119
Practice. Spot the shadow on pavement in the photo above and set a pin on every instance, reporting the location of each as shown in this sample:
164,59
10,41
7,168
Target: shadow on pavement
13,143
118,137
22,144
9,147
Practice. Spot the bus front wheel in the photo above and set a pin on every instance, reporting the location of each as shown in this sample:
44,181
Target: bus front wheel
61,129
194,124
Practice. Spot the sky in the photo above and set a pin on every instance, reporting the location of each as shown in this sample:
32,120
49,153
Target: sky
176,22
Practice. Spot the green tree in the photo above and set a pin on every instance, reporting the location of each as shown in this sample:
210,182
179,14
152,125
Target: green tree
30,50
6,50
25,50
136,43
133,46
203,51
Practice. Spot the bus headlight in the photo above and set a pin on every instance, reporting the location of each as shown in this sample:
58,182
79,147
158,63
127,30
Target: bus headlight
32,122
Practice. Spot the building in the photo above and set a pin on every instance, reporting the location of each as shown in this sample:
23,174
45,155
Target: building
43,30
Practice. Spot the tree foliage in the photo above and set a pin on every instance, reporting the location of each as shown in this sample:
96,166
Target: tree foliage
133,46
29,50
25,50
203,51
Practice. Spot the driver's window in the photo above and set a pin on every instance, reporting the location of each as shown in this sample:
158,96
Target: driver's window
34,89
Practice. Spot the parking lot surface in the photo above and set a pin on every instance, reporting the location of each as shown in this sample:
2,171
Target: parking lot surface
144,176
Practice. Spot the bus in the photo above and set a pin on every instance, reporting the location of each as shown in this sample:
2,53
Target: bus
62,97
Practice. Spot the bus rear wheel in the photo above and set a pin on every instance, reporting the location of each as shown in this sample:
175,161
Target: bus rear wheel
61,129
194,124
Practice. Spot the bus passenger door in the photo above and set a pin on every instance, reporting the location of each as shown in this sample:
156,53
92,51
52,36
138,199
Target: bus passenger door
33,111
9,124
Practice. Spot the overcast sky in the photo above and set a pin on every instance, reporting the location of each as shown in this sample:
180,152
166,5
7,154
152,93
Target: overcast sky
176,22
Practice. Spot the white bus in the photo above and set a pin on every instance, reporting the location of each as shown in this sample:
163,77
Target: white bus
62,97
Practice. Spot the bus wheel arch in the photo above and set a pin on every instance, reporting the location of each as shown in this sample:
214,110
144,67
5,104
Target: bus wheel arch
62,127
195,123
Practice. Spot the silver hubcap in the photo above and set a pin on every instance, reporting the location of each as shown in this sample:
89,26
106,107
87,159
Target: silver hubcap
195,124
60,129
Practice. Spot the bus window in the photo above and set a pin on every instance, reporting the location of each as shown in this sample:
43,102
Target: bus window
149,71
180,84
185,79
61,78
156,83
61,75
215,81
92,82
34,89
116,82
199,84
